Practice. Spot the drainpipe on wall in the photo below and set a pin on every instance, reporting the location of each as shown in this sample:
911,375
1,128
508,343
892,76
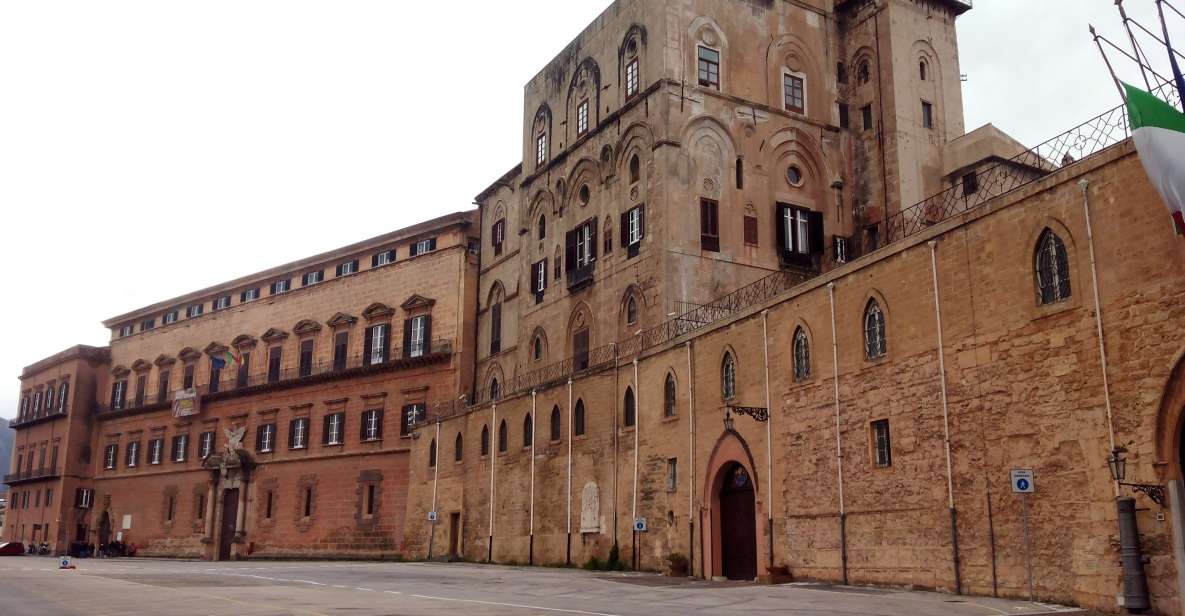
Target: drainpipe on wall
843,518
691,468
950,484
637,429
568,549
493,463
531,527
769,448
435,480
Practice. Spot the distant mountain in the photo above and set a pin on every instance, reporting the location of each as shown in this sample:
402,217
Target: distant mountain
6,439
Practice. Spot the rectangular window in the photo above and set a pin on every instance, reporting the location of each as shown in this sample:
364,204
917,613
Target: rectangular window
216,364
370,493
141,390
265,438
540,149
125,331
539,279
412,415
634,231
306,358
155,450
375,351
631,79
222,303
37,403
800,234
48,497
63,395
422,246
267,513
709,67
497,236
180,447
970,183
383,258
881,448
672,474
244,371
496,328
147,324
308,502
194,311
372,425
841,72
172,507
132,455
341,346
118,391
281,286
334,427
298,433
582,118
866,115
273,364
83,498
840,248
927,115
170,318
310,278
751,230
844,119
709,225
206,445
347,268
793,96
109,456
417,336
249,295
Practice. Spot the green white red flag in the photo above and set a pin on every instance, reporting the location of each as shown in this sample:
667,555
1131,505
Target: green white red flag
1159,132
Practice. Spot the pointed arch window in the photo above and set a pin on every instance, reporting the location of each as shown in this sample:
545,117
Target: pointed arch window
728,377
875,345
630,412
1053,269
495,390
432,454
485,441
668,397
922,69
631,311
802,355
503,437
578,419
528,431
556,423
862,72
541,227
635,169
459,448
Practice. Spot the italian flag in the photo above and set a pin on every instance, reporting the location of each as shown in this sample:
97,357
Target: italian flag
1159,132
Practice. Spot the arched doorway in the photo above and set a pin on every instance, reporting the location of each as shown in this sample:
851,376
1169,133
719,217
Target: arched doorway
738,523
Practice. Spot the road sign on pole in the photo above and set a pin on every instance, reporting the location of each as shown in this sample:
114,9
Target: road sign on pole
1022,481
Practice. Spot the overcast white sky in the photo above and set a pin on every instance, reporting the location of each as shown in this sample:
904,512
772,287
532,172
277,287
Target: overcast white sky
150,148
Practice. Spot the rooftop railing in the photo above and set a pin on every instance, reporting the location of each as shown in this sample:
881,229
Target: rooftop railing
32,418
31,475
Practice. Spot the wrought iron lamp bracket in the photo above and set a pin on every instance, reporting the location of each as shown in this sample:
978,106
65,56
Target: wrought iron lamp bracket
757,413
1153,491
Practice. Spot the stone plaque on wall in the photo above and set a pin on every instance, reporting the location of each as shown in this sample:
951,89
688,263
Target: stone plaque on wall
590,509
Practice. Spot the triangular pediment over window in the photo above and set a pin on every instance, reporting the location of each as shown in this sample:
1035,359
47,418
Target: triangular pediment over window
120,371
215,349
377,311
306,326
273,335
341,319
189,354
243,341
165,360
416,302
141,365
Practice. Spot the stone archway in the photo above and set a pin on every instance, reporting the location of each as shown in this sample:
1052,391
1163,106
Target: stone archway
730,532
227,498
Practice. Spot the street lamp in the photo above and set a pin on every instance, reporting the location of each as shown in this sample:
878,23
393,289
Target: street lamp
727,421
1117,464
1118,467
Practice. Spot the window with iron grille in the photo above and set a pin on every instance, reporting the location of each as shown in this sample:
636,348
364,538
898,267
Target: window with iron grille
582,118
631,79
802,355
1053,269
265,438
372,425
709,67
728,377
874,331
334,429
882,451
793,93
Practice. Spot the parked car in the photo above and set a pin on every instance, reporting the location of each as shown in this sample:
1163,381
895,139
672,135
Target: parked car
12,548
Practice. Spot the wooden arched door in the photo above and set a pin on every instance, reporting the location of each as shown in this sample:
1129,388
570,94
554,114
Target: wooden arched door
738,524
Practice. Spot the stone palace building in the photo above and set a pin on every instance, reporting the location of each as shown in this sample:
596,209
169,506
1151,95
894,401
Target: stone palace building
753,303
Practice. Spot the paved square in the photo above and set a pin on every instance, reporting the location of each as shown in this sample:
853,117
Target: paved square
33,585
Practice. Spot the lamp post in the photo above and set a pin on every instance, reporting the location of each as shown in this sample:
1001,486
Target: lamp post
1135,584
1117,464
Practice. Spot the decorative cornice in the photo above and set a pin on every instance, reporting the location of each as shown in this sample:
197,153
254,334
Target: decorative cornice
120,371
417,301
243,342
215,349
188,354
307,326
164,360
273,335
377,311
141,365
341,319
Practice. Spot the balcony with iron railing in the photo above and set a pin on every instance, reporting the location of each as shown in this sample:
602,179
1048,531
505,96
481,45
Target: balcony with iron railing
32,475
32,419
231,385
581,275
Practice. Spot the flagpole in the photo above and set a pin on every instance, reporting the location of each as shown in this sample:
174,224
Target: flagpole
1107,61
1135,46
1172,59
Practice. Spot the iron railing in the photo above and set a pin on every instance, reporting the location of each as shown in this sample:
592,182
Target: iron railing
31,475
230,381
582,275
32,418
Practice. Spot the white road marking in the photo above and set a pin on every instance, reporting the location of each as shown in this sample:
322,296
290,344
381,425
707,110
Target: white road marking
392,592
518,605
364,589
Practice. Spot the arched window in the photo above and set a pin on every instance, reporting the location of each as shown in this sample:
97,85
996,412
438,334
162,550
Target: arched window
668,397
485,440
631,311
556,424
635,169
495,390
922,70
631,411
728,377
503,437
802,355
432,454
537,348
862,72
1053,269
542,227
528,431
874,331
740,173
458,448
578,419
